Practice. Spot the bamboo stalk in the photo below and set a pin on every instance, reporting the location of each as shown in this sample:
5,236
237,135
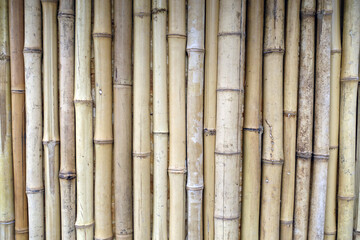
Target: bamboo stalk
348,100
160,116
7,215
103,138
227,152
84,122
272,151
16,20
123,119
357,174
177,143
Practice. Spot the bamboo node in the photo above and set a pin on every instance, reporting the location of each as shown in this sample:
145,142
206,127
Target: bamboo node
304,155
124,234
4,57
333,147
102,35
290,113
350,79
272,162
108,238
324,12
47,142
18,91
223,34
141,154
54,1
226,218
258,130
274,50
321,156
118,84
34,191
24,230
307,13
158,10
161,133
330,233
7,222
356,232
66,14
85,225
200,50
175,35
177,170
350,198
195,187
228,90
103,141
142,14
284,222
32,50
67,175
333,51
83,101
227,153
209,132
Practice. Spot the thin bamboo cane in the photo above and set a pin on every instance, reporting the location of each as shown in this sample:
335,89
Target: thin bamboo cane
177,143
103,138
160,116
227,152
252,129
272,154
16,20
330,214
7,214
212,25
123,119
348,100
290,112
84,122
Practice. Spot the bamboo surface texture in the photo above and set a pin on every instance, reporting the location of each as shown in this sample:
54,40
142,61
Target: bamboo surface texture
357,175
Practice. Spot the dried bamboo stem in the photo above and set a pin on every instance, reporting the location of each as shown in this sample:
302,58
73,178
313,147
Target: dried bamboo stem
357,174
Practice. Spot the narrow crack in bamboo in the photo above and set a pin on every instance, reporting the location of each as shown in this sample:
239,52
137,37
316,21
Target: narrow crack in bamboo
357,173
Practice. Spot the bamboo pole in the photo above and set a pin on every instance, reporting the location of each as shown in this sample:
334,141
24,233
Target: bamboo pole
330,214
348,100
160,116
7,214
103,138
16,20
123,119
177,129
84,123
227,152
272,151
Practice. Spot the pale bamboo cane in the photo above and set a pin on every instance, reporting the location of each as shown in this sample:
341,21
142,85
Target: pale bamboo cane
160,116
84,123
272,150
123,119
103,138
7,214
16,25
348,100
305,119
177,143
227,152
357,174
330,214
252,123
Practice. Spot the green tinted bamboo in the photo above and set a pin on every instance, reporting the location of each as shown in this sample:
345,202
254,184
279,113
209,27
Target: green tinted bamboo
51,119
123,119
160,116
177,143
272,151
348,100
6,169
84,123
103,138
331,197
252,125
227,152
16,25
305,119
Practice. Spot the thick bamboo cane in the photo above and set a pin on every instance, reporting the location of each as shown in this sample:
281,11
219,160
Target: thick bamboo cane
227,152
16,24
348,100
84,122
252,123
290,112
177,143
331,197
305,119
272,151
212,25
160,116
7,214
103,138
123,119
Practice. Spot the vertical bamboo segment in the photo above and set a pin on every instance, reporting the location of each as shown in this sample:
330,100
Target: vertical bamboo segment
357,174
330,214
103,138
227,152
123,119
252,129
16,20
212,25
160,116
177,143
272,153
84,124
6,169
348,101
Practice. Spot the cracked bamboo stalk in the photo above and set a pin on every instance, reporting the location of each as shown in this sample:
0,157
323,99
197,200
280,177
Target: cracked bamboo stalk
123,119
84,123
272,151
305,119
357,173
160,116
348,99
7,215
252,123
16,25
177,129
